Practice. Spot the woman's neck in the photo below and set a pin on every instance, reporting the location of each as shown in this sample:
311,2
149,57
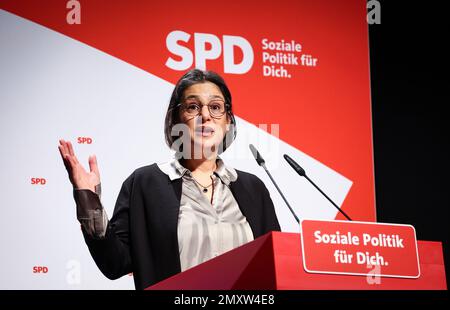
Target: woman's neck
203,165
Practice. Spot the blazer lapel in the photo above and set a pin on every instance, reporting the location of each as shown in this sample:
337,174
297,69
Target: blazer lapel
242,196
176,186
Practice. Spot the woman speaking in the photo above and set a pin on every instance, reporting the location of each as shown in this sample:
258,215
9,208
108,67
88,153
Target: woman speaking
173,216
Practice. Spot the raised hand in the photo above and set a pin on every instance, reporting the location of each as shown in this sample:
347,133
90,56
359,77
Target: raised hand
79,177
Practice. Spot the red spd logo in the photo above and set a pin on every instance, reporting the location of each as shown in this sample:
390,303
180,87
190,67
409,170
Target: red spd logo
38,181
40,269
84,140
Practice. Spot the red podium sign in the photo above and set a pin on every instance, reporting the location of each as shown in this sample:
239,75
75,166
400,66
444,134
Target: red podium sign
360,248
274,262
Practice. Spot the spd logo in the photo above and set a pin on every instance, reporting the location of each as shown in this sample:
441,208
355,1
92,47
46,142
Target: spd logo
208,47
40,269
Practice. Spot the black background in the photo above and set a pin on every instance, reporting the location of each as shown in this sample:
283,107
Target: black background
410,83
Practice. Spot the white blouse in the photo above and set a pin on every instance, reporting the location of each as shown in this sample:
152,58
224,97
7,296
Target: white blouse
207,230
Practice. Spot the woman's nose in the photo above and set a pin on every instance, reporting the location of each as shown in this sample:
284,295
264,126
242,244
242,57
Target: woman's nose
205,112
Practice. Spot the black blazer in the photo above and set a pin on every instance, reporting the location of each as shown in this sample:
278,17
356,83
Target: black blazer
141,236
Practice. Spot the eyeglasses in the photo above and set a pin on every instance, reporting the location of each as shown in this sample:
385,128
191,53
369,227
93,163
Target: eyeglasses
216,108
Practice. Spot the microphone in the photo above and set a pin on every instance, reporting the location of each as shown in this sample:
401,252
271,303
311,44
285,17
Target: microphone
262,163
302,173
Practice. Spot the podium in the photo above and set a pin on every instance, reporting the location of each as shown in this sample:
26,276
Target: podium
274,262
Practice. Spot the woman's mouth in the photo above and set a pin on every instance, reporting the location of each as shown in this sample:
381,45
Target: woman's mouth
204,131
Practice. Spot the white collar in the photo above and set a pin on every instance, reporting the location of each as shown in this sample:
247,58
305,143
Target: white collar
175,170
